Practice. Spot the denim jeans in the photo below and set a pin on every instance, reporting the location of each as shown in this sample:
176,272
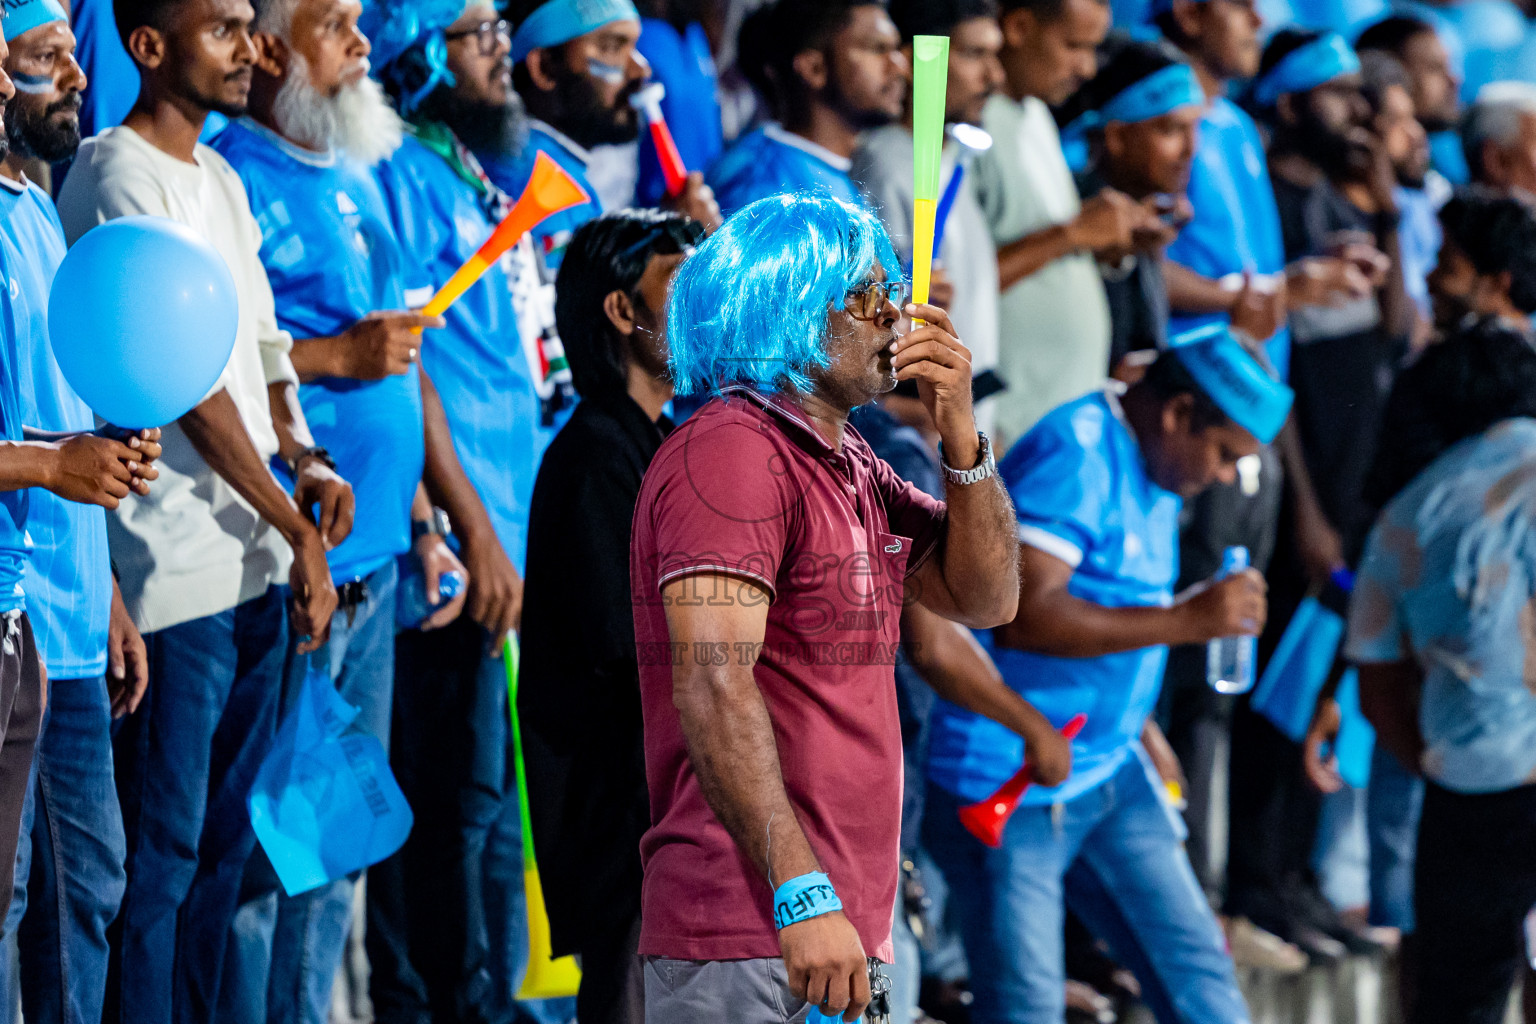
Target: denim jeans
285,949
1113,855
69,861
1393,802
186,760
507,917
428,940
1340,859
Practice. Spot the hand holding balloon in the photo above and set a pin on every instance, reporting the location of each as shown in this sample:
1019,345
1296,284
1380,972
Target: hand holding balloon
94,470
146,443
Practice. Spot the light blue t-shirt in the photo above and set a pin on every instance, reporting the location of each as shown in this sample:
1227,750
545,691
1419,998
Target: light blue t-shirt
477,362
511,175
1418,241
770,160
70,575
1448,578
332,257
1082,494
1236,225
684,63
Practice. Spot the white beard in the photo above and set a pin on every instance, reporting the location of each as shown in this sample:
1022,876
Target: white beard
358,120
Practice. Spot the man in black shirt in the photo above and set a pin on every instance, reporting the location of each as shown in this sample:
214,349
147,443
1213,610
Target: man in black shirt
579,696
1334,182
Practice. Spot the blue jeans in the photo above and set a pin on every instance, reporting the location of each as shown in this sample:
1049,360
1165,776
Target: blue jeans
1114,855
70,868
1339,858
286,949
186,760
1393,803
429,904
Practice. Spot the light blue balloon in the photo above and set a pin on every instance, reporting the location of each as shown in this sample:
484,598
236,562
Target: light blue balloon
142,318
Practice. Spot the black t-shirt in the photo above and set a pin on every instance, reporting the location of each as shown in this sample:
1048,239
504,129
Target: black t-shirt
579,691
1343,362
1137,295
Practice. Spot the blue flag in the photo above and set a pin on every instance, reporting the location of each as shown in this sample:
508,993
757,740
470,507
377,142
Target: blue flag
1287,692
325,803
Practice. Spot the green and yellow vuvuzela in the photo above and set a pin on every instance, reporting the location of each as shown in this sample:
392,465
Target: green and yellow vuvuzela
548,977
930,77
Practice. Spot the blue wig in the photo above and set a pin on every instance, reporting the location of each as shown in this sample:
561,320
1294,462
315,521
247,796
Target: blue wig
750,305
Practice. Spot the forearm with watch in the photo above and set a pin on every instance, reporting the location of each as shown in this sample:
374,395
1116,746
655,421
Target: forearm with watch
972,574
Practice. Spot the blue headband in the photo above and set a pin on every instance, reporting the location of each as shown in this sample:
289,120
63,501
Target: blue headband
25,15
1234,379
560,21
1162,92
1305,68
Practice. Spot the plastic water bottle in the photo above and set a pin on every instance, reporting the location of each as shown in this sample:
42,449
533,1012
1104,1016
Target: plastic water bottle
1229,659
413,608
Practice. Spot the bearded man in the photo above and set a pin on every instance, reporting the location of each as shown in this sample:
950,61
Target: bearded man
343,288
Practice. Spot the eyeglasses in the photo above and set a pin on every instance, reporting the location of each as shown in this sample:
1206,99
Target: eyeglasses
867,300
488,34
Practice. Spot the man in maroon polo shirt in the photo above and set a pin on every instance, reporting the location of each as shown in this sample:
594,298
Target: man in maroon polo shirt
771,556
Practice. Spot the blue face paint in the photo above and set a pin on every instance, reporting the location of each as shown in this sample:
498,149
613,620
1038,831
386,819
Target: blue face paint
36,85
604,72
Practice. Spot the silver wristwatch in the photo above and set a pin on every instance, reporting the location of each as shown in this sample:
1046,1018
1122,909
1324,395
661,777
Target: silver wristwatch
985,465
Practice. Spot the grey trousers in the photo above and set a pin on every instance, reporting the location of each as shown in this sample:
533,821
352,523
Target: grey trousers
716,991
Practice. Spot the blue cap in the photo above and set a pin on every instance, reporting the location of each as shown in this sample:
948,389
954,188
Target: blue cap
1310,65
560,21
1234,379
25,15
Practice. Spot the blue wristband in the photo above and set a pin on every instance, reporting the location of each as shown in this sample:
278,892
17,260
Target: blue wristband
804,897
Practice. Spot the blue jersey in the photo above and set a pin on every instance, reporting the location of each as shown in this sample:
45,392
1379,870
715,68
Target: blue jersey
511,175
770,160
1080,487
113,77
330,252
477,362
681,61
1236,226
1418,242
15,545
70,576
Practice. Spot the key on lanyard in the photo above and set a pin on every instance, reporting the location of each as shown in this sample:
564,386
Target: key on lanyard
879,1011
